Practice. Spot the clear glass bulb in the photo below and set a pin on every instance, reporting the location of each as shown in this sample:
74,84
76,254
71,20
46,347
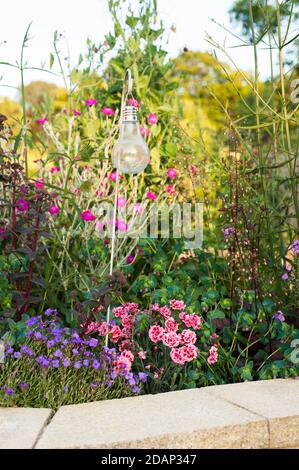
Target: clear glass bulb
130,154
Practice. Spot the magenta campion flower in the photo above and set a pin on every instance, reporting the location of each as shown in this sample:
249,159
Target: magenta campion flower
121,225
151,195
107,111
170,189
41,121
121,201
130,259
279,316
144,131
112,176
22,205
91,102
87,216
40,183
138,209
54,210
2,232
193,170
171,173
76,112
152,119
133,102
54,169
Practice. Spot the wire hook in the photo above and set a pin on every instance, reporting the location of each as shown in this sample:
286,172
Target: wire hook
127,90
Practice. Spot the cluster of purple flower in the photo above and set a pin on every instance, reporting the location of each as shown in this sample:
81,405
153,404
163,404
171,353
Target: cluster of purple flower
228,231
295,246
52,346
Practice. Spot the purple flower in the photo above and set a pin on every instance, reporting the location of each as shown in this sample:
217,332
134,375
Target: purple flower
24,385
142,376
94,384
38,336
86,362
17,355
93,342
43,361
27,350
10,350
66,388
31,321
279,316
77,365
285,277
87,353
66,362
295,246
50,343
51,311
8,391
75,352
55,363
96,364
228,231
136,389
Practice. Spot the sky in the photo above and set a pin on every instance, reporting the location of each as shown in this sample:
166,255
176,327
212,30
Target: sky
78,19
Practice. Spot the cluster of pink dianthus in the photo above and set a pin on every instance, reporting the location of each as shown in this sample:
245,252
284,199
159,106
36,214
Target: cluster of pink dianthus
174,334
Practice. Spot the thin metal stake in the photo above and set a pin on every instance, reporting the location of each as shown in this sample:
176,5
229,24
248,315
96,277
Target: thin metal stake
112,248
127,90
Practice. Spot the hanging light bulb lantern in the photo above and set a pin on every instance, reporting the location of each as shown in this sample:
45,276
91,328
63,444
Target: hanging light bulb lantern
130,154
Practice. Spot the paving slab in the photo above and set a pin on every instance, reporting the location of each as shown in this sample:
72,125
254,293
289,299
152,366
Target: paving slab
277,400
20,427
188,419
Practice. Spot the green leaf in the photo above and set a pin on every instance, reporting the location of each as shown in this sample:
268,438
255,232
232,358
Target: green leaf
226,303
246,372
193,374
52,58
132,21
216,314
170,149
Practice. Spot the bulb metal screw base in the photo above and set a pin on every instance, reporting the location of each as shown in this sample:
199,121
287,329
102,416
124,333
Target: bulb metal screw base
129,114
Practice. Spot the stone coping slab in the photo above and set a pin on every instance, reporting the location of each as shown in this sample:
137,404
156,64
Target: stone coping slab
185,419
247,415
21,427
276,400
